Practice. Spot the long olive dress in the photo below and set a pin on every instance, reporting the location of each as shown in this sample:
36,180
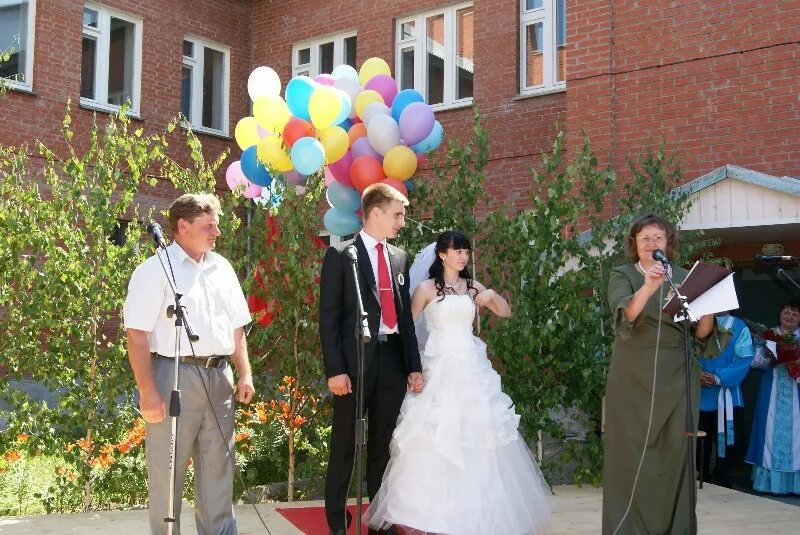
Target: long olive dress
661,501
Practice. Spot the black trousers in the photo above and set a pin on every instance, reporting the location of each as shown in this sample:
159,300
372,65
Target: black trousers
385,383
717,470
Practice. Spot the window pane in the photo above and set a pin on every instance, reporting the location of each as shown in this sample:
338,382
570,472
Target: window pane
434,47
465,53
350,51
303,56
407,68
534,69
88,64
120,61
14,39
532,4
188,49
213,79
186,92
408,30
325,58
90,18
561,40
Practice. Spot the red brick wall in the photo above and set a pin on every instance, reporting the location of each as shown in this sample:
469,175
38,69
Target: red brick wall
717,80
57,61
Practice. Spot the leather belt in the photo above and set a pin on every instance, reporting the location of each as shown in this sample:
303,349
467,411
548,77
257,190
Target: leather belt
382,337
214,361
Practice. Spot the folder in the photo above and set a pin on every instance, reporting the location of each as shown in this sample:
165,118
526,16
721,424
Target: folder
708,289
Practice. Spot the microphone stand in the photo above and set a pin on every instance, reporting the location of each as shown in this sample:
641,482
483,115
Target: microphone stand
782,271
362,336
179,312
689,319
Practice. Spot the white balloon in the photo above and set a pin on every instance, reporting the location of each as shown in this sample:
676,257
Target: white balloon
383,133
352,88
375,109
344,71
263,81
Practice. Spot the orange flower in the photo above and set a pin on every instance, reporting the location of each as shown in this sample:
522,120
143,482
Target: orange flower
12,456
61,470
23,437
72,476
298,421
83,444
69,447
243,435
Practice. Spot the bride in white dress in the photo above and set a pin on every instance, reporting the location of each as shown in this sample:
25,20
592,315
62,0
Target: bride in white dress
458,463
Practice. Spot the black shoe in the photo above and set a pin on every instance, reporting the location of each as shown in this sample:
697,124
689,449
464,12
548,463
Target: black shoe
339,531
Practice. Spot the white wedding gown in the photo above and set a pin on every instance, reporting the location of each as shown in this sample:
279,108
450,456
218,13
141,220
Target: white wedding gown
458,463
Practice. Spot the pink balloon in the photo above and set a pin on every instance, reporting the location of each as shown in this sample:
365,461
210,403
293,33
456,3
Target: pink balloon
262,133
340,169
384,85
252,191
234,176
361,147
325,79
293,177
329,178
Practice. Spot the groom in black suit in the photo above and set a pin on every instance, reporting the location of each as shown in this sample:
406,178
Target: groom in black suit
391,358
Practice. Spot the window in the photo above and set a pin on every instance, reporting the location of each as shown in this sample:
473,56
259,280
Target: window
16,38
543,46
205,85
435,55
321,56
111,59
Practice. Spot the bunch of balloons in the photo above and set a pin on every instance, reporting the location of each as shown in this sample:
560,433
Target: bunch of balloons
354,125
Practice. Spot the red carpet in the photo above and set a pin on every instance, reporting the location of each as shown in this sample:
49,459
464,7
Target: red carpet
311,520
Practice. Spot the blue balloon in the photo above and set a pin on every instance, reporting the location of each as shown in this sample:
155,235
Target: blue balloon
298,91
432,141
344,111
308,155
346,124
403,99
340,222
409,184
344,71
344,198
254,169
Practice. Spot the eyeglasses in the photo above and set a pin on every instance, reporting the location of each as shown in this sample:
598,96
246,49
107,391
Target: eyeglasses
658,238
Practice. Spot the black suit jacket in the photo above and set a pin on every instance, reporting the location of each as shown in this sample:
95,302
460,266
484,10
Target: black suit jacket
338,310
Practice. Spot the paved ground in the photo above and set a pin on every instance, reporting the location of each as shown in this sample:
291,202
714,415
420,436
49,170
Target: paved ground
720,511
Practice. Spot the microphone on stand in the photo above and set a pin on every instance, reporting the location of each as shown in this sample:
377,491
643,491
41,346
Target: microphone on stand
773,259
659,255
351,252
154,229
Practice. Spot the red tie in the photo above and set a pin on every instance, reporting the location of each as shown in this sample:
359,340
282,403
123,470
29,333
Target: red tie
385,290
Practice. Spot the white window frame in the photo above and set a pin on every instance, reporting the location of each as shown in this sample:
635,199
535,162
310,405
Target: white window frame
102,35
421,58
27,70
197,65
312,68
547,16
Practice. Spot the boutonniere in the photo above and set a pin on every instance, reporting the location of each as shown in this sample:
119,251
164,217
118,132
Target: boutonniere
401,280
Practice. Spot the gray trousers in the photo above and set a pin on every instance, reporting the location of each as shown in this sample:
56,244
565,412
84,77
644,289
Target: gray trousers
198,438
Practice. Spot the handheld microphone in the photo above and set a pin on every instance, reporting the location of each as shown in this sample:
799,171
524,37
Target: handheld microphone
351,252
659,255
773,259
158,236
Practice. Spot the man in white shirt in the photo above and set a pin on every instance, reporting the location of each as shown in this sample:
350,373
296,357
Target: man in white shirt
217,312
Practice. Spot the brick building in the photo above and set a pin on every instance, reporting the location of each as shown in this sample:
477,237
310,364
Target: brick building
717,81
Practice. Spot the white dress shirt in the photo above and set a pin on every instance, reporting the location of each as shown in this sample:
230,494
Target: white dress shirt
213,299
370,243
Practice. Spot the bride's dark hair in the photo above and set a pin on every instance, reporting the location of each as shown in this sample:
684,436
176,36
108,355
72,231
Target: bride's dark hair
449,239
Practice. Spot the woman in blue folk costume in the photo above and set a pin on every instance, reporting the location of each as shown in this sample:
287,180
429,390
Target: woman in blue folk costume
774,448
721,398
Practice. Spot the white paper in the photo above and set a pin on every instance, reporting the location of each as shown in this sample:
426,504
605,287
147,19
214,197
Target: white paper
718,298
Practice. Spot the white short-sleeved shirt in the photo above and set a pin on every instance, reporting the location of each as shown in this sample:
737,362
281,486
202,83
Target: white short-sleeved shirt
212,296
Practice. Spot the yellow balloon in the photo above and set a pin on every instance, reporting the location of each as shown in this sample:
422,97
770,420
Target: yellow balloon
370,68
400,163
246,132
364,99
335,141
270,151
271,113
324,106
